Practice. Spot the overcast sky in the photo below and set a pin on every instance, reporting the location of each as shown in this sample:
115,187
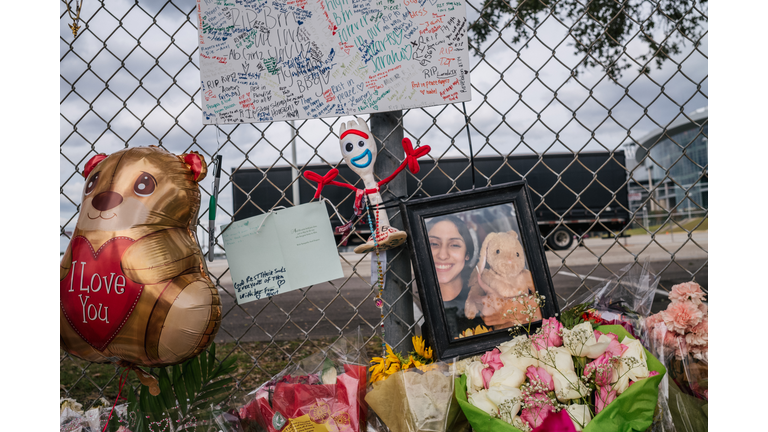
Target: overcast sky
518,132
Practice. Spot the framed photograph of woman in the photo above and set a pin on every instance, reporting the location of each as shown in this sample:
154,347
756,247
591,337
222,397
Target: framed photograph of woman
480,267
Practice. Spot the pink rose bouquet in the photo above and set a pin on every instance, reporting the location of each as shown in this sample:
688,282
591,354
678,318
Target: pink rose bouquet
561,378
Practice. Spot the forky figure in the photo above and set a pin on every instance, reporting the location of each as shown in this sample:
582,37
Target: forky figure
359,150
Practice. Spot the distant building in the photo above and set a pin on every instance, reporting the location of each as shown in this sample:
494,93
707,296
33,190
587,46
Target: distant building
676,166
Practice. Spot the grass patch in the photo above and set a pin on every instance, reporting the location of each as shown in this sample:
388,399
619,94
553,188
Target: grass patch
689,226
256,362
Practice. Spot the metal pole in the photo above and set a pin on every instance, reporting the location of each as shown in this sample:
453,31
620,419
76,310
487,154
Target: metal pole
387,129
645,216
294,171
650,187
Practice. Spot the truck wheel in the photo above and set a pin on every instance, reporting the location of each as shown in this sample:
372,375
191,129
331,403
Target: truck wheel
560,239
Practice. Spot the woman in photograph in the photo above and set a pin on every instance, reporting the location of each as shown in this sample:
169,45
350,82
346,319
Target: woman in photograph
452,249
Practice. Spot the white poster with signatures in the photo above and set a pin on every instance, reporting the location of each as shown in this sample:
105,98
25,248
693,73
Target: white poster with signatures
270,60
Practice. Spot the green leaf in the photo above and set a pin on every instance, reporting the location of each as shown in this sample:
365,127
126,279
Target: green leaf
211,394
212,400
144,400
224,368
181,389
166,389
571,317
155,405
204,366
194,365
189,380
186,385
134,407
218,385
211,390
217,400
211,360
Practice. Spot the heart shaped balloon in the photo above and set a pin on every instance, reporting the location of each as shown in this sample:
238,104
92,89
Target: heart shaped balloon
133,285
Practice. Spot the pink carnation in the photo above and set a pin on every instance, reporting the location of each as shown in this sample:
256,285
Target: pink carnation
662,338
698,349
699,335
681,316
689,291
653,320
672,340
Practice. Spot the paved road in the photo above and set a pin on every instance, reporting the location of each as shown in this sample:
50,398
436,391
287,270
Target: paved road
325,310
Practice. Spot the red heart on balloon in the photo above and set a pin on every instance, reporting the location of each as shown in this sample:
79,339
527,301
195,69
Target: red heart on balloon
96,296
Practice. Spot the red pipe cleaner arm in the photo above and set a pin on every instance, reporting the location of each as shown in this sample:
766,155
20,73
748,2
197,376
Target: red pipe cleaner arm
325,180
411,160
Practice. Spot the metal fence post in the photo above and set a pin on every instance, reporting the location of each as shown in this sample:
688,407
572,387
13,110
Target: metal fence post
387,129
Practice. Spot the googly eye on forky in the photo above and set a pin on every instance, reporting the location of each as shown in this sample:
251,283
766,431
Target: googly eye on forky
359,150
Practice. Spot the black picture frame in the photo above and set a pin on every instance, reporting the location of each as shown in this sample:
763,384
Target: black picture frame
417,212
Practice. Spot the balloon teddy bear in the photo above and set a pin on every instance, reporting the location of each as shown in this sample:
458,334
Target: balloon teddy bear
133,286
359,150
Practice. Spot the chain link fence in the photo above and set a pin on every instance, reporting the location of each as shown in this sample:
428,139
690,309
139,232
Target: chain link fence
130,77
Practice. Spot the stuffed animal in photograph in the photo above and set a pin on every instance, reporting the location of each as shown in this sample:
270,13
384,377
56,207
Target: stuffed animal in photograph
358,148
499,277
133,285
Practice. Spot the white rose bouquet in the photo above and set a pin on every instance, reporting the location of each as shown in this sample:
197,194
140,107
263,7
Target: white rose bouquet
575,377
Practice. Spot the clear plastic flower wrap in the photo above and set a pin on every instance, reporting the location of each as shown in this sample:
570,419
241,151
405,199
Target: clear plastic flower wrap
74,419
678,336
419,399
624,299
324,391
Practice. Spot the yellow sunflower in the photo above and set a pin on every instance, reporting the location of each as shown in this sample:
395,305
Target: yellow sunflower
394,367
419,345
377,370
383,367
412,362
392,357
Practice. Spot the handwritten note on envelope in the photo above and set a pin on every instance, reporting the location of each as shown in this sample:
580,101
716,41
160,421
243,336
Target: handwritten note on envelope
281,251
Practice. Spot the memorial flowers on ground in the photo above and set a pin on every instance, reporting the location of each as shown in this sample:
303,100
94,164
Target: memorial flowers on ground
680,335
685,322
557,375
414,393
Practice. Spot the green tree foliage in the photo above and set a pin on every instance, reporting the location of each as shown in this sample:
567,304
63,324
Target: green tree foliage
601,28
